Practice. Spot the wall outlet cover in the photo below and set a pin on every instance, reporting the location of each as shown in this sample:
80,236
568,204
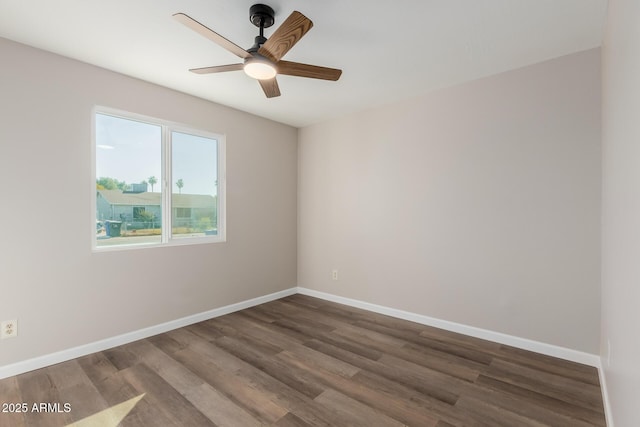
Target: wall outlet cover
8,329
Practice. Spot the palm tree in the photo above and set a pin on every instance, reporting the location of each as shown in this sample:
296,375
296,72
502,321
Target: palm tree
179,184
152,181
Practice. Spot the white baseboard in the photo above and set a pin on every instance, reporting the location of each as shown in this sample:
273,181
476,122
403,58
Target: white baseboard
523,343
83,350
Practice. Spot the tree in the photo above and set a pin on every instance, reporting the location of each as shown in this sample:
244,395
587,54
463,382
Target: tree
106,183
152,181
179,184
146,217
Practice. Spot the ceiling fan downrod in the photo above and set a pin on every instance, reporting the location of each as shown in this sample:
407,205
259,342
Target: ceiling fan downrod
262,16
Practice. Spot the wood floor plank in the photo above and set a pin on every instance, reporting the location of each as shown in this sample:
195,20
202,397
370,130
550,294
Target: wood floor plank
369,337
259,345
449,364
78,390
467,341
10,395
221,410
213,404
238,389
37,388
170,342
430,359
97,367
437,348
115,390
556,386
293,401
433,407
291,310
164,398
301,361
524,406
492,415
397,408
249,328
205,330
353,412
305,328
545,403
552,365
403,375
317,360
225,326
121,357
353,315
291,420
462,351
300,381
305,301
168,368
354,348
302,334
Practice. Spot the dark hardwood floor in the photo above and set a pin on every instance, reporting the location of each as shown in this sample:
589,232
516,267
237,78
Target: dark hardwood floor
301,361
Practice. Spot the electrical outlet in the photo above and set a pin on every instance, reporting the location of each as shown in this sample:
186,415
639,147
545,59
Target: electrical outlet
334,275
9,329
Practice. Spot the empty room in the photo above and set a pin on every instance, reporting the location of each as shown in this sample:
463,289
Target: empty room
336,213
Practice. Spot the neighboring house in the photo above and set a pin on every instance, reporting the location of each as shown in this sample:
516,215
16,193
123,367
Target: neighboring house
188,209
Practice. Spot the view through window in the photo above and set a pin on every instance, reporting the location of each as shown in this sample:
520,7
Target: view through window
155,183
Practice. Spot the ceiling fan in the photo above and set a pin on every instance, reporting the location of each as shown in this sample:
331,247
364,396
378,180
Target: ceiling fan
262,61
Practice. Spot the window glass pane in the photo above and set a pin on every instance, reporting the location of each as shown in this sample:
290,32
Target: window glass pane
128,176
194,172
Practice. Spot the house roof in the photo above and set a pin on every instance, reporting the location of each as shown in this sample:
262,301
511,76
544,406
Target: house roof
117,197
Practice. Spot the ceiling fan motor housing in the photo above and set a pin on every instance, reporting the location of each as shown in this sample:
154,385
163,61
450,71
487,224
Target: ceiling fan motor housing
261,15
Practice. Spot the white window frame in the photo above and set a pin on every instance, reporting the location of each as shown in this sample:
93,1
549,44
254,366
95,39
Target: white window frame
167,127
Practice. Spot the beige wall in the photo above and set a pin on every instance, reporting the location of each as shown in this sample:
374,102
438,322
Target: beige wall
63,294
478,204
621,211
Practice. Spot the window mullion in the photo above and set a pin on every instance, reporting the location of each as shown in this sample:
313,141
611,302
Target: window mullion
221,188
166,190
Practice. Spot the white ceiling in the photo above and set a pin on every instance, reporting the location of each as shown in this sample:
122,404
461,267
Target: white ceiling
388,50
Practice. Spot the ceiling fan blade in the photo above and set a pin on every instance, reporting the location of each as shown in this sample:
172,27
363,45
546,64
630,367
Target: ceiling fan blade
305,70
270,87
286,36
217,69
211,35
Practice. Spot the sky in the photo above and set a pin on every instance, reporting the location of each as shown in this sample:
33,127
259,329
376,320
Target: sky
131,151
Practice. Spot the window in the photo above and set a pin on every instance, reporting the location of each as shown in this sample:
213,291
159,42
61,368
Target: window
156,182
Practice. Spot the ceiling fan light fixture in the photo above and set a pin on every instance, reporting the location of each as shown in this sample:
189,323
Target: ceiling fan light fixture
260,68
